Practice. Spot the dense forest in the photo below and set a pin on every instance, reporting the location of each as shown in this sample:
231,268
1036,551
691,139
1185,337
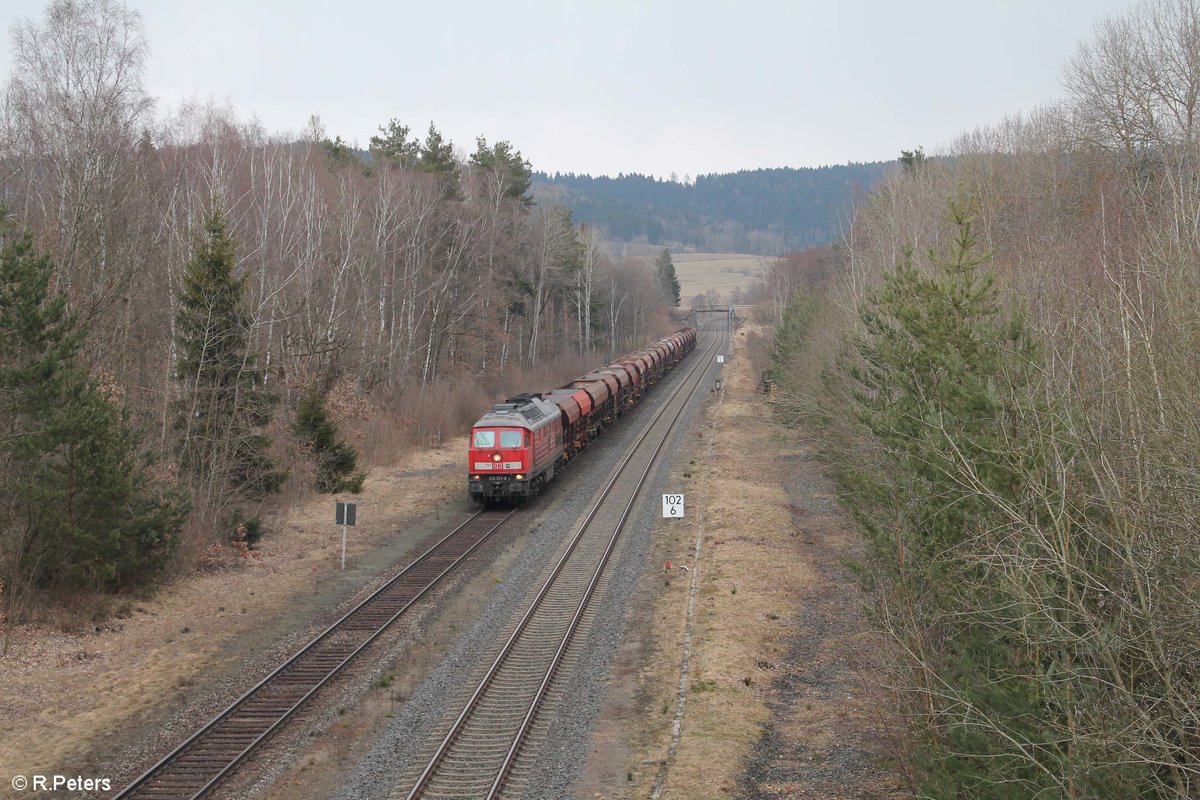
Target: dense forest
762,211
1000,363
190,307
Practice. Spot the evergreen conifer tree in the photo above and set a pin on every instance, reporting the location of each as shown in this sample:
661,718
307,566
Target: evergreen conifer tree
224,403
912,160
933,350
336,460
394,147
80,507
513,169
338,152
937,367
437,158
665,268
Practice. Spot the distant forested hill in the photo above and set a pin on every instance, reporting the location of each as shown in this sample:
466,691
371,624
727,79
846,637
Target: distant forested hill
764,211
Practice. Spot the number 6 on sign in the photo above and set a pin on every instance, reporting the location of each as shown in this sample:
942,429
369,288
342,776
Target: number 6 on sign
673,506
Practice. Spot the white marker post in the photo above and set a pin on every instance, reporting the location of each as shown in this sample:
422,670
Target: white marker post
344,515
673,506
721,359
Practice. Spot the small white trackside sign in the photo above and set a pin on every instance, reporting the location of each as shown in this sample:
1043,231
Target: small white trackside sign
673,506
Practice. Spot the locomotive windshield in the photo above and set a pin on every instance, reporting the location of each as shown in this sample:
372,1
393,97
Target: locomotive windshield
508,438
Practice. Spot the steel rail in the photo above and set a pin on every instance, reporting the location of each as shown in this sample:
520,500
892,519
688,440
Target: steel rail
329,668
457,726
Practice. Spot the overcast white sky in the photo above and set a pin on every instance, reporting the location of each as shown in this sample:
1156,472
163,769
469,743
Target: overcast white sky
608,86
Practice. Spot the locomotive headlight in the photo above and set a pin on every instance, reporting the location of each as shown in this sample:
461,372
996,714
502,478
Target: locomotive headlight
520,477
495,456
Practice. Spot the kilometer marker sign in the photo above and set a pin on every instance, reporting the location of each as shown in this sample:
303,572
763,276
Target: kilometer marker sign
673,506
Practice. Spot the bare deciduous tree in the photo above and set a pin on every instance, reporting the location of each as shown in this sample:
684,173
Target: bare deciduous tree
77,107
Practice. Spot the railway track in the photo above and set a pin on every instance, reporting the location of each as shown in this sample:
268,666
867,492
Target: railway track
213,752
476,755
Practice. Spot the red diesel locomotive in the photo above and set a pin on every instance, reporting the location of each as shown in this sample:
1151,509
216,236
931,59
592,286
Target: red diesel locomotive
516,447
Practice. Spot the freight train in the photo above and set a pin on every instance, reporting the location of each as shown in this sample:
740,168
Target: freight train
517,447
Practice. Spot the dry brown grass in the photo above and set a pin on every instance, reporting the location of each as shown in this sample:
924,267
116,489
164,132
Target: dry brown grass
746,572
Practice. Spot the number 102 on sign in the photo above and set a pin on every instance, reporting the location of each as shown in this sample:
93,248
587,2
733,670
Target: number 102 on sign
673,506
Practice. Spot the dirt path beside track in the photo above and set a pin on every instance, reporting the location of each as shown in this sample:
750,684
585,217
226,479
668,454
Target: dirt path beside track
780,697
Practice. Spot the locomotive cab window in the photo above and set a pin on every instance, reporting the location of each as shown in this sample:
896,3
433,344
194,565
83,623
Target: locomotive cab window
485,438
510,439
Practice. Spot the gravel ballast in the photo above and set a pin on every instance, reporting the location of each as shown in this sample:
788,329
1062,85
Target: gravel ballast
555,767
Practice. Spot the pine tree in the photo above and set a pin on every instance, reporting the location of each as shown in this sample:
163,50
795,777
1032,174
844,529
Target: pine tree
336,460
437,158
394,147
338,153
665,268
224,403
514,170
82,509
912,160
